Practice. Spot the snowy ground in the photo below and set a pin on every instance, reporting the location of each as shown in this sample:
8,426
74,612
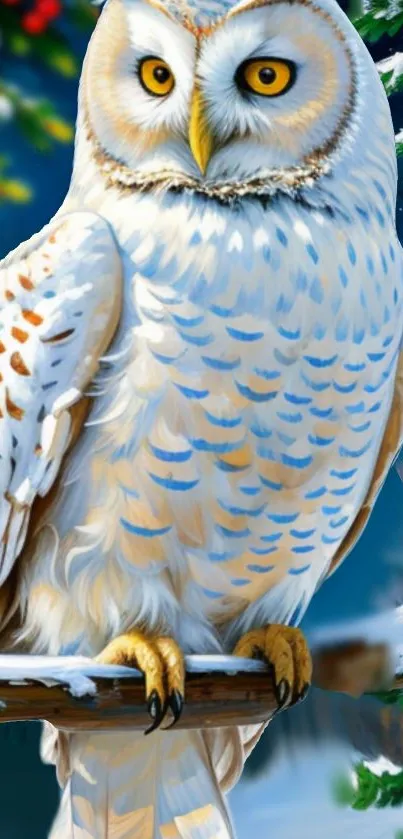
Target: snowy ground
294,800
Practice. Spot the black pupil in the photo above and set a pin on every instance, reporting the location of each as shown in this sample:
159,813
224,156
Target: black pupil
161,74
267,75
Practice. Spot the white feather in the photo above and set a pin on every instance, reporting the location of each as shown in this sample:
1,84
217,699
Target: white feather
70,269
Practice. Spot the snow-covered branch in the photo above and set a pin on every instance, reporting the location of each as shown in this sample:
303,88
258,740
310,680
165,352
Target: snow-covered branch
78,693
391,72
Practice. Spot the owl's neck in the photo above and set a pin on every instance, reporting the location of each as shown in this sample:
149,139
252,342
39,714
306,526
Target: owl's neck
101,184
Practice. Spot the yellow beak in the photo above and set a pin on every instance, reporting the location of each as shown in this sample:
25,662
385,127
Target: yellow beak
200,137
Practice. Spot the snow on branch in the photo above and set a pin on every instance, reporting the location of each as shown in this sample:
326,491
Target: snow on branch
77,693
390,70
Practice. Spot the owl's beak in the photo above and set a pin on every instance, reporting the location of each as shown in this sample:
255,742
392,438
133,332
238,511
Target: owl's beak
201,140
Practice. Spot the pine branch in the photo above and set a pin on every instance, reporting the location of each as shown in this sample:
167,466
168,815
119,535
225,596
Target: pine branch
391,72
368,788
372,28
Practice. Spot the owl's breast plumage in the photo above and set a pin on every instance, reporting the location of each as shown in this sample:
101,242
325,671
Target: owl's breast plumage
253,382
265,345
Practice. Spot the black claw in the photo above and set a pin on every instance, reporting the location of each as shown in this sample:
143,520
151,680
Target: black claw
156,711
282,692
175,703
154,705
304,692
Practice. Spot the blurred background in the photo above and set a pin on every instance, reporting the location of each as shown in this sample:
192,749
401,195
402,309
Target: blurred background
301,778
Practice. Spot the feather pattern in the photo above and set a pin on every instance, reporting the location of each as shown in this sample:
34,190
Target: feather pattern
237,441
56,319
121,785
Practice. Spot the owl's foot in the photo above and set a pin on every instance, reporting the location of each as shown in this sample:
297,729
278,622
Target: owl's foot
285,650
161,661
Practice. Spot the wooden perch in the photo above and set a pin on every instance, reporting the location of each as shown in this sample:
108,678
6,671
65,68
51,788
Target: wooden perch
77,694
212,699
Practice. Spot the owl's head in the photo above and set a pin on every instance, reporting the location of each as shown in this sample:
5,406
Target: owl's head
211,94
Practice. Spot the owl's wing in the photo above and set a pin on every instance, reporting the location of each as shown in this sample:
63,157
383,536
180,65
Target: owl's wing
60,304
391,444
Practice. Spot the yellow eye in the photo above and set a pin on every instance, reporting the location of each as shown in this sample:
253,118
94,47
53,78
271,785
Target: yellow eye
266,76
155,76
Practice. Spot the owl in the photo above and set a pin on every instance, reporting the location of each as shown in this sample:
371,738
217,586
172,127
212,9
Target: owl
200,378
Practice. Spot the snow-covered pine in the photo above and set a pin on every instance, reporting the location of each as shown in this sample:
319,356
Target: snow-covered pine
375,19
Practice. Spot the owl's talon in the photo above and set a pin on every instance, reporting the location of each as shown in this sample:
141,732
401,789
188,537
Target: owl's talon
175,703
289,662
282,692
161,661
156,711
154,705
303,694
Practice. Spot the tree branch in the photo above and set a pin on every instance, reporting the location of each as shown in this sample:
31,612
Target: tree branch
212,699
78,694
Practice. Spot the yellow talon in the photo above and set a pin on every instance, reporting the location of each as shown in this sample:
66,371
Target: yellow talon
286,651
161,661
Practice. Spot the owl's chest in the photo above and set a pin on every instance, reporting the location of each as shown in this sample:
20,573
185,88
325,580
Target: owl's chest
284,322
279,355
254,303
264,430
263,370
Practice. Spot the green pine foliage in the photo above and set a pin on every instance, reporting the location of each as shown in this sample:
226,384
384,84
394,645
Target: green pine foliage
393,82
391,73
377,19
391,697
380,17
365,788
369,789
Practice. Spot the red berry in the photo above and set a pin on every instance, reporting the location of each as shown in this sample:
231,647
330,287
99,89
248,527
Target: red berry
50,9
34,23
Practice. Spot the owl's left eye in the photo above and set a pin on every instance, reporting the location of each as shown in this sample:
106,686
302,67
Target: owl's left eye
156,76
266,76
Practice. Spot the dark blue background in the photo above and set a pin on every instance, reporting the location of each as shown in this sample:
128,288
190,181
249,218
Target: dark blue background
28,793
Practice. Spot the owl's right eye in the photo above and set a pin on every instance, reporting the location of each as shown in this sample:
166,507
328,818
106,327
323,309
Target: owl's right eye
156,76
266,76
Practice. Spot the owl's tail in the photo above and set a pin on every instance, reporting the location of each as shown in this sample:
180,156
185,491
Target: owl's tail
128,786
